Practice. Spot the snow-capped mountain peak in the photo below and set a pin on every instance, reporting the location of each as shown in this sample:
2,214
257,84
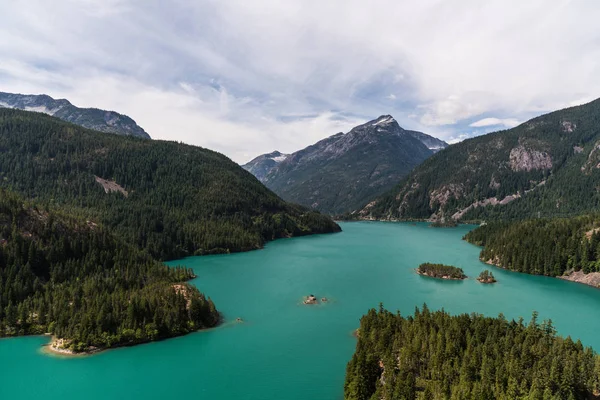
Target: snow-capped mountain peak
384,120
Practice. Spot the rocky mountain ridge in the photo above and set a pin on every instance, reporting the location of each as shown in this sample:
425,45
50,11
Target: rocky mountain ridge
345,169
91,118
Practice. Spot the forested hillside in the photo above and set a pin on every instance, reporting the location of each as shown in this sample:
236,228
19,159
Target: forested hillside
75,279
169,198
433,355
548,166
541,246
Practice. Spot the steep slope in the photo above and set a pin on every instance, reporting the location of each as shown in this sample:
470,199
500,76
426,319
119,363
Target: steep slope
75,279
169,198
262,165
547,166
341,172
92,118
432,143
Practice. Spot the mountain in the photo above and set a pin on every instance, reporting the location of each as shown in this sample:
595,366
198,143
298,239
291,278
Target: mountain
341,172
168,198
92,118
432,143
548,166
262,165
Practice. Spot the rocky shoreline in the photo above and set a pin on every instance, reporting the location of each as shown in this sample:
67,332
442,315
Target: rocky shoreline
447,277
591,279
57,346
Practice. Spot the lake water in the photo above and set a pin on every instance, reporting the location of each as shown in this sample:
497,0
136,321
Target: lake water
286,350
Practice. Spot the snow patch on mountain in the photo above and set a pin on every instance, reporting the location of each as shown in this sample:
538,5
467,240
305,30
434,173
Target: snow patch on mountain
384,121
40,109
280,158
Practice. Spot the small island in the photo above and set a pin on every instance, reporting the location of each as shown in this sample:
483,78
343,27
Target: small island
311,299
486,277
441,271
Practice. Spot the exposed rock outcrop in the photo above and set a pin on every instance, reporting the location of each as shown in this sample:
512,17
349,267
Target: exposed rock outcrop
486,202
593,161
111,186
568,127
523,159
591,279
442,195
311,299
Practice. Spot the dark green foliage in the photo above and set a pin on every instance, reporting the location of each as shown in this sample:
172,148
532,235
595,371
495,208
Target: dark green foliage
441,271
182,200
480,168
433,355
486,277
444,223
541,246
75,279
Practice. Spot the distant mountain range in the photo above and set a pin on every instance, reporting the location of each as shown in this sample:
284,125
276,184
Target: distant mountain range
341,172
92,118
262,165
548,166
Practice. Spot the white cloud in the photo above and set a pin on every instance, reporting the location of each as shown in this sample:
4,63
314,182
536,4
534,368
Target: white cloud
449,111
189,115
228,75
507,122
459,138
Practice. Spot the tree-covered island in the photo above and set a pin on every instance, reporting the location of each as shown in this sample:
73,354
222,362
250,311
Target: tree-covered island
441,271
486,277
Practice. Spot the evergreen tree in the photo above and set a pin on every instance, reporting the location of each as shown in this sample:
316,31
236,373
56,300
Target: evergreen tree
433,355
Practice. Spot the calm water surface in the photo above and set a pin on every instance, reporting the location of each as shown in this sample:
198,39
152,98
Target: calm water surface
285,350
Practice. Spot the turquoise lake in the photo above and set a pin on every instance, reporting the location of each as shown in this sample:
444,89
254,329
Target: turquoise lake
286,350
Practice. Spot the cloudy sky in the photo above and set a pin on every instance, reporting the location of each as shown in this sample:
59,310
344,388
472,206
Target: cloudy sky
245,77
